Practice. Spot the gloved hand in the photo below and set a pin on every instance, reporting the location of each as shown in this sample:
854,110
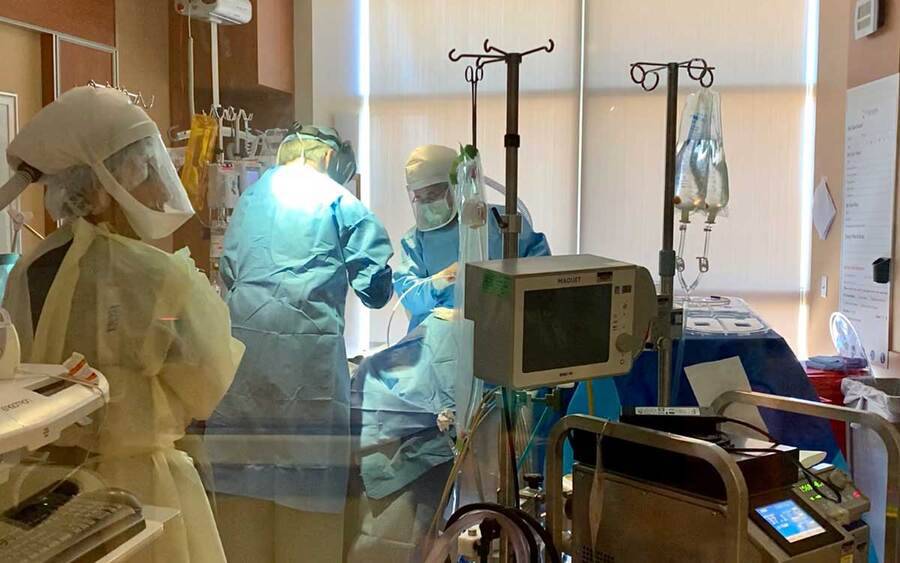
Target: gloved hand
445,278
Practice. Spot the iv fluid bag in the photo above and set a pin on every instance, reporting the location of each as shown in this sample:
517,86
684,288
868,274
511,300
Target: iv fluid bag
473,247
199,153
690,159
717,182
472,212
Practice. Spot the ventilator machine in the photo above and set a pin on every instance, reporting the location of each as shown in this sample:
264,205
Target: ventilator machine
662,483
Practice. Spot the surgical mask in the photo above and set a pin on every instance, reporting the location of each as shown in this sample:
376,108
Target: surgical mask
435,215
433,206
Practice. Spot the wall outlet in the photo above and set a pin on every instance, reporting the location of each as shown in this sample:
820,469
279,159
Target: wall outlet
823,287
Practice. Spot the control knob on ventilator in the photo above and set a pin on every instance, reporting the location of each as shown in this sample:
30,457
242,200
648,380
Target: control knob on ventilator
628,343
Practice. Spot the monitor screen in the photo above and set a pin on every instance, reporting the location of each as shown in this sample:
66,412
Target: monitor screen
566,327
789,520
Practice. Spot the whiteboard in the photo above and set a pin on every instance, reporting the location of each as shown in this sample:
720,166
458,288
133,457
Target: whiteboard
870,162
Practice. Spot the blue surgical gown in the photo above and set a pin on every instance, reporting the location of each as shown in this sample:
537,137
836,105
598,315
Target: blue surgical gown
295,243
427,253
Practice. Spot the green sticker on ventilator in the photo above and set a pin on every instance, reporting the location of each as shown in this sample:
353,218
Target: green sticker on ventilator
496,284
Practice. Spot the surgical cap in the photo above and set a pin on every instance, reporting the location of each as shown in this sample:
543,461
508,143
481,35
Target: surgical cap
429,165
321,147
312,151
99,128
428,186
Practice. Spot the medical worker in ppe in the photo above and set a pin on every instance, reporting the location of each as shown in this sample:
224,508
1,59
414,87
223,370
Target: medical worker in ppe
430,250
147,319
280,440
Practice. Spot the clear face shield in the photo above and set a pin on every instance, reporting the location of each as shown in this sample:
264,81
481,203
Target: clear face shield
140,177
143,180
433,206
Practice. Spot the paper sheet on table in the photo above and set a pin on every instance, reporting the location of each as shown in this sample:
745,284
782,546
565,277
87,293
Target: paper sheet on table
711,379
824,210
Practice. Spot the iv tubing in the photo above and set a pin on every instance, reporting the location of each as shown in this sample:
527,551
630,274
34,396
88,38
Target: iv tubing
531,439
33,231
703,260
484,409
190,74
679,356
475,390
437,276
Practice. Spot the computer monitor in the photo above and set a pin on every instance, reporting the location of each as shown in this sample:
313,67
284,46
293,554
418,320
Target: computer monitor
555,319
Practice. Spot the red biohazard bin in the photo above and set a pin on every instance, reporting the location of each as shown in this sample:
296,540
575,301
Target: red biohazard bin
828,387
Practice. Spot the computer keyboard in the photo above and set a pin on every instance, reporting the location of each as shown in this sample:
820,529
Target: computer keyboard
58,526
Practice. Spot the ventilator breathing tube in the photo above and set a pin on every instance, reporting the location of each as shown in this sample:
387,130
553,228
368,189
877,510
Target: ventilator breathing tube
516,533
501,189
24,176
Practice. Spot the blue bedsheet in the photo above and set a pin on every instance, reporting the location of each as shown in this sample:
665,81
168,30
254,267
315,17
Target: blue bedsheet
771,368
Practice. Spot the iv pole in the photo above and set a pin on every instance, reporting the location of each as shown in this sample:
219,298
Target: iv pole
647,75
510,222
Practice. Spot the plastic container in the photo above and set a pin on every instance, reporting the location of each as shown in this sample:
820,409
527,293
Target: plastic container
869,458
7,261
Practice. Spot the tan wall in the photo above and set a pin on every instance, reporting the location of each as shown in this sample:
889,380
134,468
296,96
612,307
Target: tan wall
831,102
843,63
20,74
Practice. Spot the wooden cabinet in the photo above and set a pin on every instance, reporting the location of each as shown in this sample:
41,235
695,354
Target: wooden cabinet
93,20
256,64
77,65
260,55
